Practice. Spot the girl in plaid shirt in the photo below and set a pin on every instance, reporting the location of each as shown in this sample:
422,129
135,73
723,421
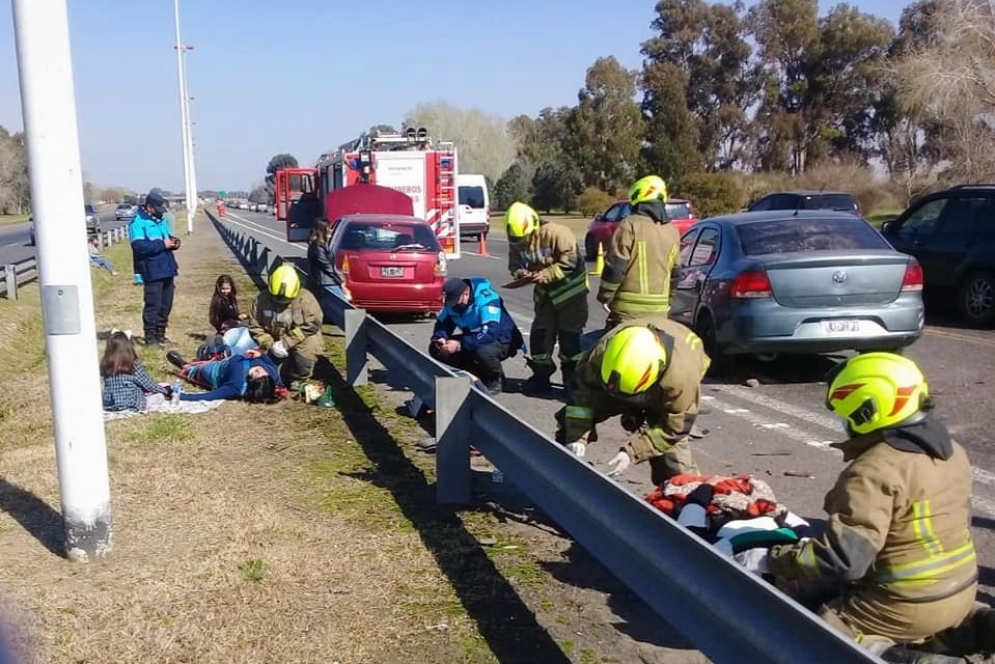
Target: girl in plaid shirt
125,380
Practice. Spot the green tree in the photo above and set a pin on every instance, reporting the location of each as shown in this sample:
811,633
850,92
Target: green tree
605,129
513,185
671,140
554,187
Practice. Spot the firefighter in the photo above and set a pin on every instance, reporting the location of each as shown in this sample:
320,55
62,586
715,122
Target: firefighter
898,540
642,258
548,255
650,374
286,321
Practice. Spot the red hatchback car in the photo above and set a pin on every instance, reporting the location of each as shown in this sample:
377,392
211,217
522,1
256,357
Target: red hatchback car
600,229
389,263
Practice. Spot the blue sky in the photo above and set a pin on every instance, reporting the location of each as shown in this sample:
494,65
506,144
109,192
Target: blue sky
272,77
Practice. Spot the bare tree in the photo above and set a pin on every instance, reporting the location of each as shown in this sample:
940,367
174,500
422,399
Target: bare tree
14,187
485,145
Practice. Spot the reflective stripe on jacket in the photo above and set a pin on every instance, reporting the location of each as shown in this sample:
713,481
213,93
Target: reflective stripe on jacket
639,264
553,251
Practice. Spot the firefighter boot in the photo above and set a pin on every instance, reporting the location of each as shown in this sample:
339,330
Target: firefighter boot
538,383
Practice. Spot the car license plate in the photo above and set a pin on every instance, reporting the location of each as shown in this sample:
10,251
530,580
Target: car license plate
841,326
392,272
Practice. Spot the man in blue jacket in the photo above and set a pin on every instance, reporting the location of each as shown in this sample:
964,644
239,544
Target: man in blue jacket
153,245
487,337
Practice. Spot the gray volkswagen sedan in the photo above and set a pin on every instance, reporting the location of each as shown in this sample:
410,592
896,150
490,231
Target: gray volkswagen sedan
805,281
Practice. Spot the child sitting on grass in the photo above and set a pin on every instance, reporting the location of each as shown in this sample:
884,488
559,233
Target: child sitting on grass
96,260
126,383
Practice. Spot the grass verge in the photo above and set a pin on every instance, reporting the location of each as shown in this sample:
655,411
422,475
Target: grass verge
10,219
247,534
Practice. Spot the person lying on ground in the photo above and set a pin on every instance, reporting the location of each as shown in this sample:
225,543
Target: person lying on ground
252,377
126,382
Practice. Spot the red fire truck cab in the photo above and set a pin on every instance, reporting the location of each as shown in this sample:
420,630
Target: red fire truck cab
411,162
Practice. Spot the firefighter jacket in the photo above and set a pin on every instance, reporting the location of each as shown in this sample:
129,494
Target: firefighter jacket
662,416
270,322
553,252
899,521
642,258
482,321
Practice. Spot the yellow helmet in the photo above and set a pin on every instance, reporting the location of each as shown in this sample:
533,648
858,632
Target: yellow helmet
875,391
633,360
520,221
284,282
649,188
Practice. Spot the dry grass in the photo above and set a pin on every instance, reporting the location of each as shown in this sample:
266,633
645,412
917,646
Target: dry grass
246,534
9,219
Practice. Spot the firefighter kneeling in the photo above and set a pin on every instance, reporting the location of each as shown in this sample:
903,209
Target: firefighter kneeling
897,555
651,376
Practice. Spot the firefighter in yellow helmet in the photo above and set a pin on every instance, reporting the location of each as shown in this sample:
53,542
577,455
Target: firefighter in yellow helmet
650,374
898,542
285,320
642,258
547,254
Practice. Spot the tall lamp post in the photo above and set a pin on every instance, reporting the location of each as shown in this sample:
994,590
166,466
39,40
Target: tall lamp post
181,49
194,198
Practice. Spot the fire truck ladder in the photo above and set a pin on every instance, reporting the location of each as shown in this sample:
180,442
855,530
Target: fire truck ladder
446,178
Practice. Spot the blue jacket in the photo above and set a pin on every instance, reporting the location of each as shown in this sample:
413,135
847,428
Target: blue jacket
229,377
484,321
152,260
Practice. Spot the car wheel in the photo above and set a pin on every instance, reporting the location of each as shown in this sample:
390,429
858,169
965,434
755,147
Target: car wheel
976,299
590,249
704,327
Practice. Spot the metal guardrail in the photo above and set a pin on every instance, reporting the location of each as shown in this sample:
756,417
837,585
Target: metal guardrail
723,610
15,275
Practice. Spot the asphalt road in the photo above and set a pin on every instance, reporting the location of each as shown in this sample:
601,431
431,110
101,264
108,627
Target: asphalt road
777,430
14,238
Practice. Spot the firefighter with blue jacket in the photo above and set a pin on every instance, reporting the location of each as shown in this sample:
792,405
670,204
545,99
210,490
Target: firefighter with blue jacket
486,335
152,246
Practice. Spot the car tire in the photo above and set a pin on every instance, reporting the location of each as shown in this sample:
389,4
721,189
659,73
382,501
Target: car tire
704,327
590,249
976,299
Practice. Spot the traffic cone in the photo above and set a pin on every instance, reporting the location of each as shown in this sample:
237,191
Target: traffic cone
482,250
599,262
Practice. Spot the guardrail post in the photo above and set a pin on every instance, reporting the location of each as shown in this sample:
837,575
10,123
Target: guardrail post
454,478
356,347
10,276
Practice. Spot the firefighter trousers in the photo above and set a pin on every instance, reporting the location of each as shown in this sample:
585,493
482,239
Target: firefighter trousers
551,325
299,363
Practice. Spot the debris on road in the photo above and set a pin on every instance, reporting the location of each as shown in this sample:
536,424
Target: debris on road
792,473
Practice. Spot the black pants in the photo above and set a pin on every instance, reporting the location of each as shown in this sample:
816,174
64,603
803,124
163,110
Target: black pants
158,305
484,362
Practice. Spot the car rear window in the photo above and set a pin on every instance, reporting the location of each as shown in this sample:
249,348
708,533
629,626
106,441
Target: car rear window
840,202
679,210
389,236
790,235
472,196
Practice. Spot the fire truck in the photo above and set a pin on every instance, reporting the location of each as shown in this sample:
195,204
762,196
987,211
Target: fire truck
411,162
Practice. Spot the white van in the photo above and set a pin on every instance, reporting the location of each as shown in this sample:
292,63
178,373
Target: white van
474,205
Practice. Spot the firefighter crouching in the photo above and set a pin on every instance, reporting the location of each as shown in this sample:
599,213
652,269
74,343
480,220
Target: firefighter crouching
286,321
548,254
650,374
898,541
642,258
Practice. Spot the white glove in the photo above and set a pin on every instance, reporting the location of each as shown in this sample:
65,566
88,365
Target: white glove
279,350
754,560
619,464
577,448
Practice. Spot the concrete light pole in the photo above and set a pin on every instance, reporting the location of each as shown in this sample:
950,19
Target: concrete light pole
184,117
48,105
194,199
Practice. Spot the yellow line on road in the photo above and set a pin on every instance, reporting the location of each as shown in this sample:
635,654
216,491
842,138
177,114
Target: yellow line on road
969,338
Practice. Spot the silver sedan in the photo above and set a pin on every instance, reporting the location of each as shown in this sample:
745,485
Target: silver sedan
806,281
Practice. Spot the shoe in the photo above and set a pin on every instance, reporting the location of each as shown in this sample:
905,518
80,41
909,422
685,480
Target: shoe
161,333
174,358
151,339
494,388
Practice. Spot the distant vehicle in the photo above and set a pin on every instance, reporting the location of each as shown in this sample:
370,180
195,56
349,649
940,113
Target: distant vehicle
92,223
602,227
124,211
810,281
807,200
952,234
389,263
474,214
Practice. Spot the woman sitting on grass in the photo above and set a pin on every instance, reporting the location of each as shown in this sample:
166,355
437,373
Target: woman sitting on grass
126,383
252,377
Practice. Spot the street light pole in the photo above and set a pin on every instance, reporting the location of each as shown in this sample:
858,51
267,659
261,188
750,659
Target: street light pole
48,106
184,120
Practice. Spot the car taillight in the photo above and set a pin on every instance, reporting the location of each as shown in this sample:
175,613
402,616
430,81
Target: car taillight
750,285
345,266
912,281
440,264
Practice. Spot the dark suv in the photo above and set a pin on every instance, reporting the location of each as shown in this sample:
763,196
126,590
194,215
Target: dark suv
952,234
807,200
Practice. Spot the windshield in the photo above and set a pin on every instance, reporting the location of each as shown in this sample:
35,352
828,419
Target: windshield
389,236
90,210
841,202
679,211
791,235
123,206
472,196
